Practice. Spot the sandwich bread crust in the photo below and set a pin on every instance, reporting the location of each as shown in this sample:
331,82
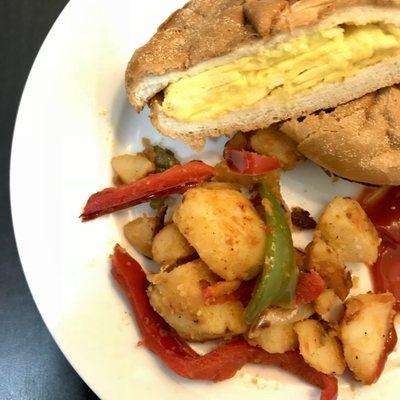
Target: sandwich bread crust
359,140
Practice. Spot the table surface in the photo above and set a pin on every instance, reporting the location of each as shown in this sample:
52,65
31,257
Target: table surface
31,365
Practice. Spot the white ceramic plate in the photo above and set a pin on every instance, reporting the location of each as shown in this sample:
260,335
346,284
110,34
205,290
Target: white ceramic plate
73,116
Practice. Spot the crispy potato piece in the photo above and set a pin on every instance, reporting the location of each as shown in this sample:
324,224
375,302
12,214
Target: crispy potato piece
363,331
169,246
324,301
323,258
319,349
177,297
345,226
225,229
131,167
140,233
274,329
272,142
278,338
329,306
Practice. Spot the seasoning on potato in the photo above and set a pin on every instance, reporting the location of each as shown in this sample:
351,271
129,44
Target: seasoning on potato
177,297
225,229
345,226
169,246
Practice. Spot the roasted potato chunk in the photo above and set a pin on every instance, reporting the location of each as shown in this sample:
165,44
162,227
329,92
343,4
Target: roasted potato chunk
272,142
318,348
329,306
169,246
364,330
345,226
177,297
140,233
131,167
323,259
278,338
225,229
274,329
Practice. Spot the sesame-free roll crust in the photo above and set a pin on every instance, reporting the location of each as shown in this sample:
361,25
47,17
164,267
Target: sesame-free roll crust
359,140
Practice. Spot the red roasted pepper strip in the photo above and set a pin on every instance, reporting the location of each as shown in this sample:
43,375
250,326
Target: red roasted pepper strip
174,180
156,335
309,287
249,163
219,364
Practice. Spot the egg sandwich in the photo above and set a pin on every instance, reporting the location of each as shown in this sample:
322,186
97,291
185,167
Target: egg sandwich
215,67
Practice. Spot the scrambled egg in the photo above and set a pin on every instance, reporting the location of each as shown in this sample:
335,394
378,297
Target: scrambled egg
285,69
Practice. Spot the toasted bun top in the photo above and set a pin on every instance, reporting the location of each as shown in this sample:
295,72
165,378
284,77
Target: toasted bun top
359,140
205,29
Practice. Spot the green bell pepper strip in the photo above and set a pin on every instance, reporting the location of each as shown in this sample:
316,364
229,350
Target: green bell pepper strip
278,280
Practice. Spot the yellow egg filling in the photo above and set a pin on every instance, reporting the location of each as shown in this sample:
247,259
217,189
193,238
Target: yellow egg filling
326,56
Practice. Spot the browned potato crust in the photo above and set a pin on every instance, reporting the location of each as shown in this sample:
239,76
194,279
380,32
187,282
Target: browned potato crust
363,332
323,258
177,297
272,142
169,246
329,306
225,229
319,349
131,167
345,226
140,233
278,338
324,301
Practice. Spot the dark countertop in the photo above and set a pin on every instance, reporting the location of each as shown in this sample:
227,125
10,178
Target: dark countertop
31,365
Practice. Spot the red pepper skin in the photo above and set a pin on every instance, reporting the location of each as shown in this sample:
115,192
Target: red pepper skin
174,180
219,364
249,163
157,336
309,287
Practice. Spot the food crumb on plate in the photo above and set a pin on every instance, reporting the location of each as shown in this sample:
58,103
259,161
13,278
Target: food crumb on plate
258,381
